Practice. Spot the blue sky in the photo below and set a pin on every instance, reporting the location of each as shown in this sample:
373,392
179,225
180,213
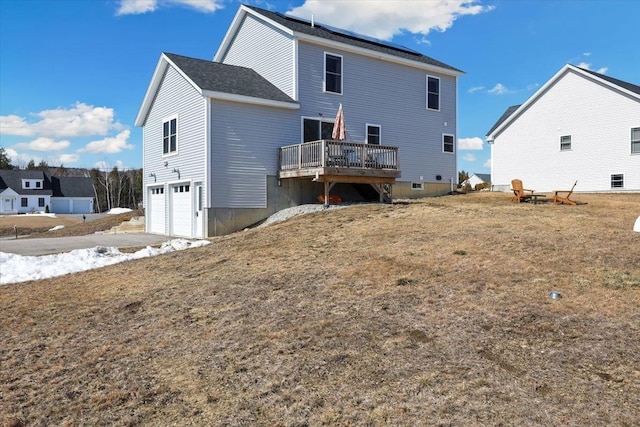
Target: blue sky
73,73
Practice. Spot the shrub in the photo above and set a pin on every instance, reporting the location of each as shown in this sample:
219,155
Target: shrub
482,186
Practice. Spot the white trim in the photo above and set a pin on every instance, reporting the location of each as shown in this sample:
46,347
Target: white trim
454,143
296,71
223,96
324,73
427,93
177,150
318,119
208,155
366,132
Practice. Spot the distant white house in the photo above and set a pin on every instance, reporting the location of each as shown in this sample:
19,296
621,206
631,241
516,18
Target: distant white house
24,191
581,125
477,178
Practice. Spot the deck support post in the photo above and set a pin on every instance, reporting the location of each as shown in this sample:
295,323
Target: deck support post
326,194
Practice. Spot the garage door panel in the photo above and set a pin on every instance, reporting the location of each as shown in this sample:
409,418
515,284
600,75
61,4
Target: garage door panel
181,210
156,208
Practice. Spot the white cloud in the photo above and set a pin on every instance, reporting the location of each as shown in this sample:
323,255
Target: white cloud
533,86
136,7
587,66
587,54
65,159
475,89
109,145
469,157
384,19
79,120
499,89
474,143
14,125
487,164
44,144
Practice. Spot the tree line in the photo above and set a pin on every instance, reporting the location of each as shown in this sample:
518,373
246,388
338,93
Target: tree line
115,188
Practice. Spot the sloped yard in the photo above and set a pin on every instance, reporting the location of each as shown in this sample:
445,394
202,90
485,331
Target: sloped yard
433,312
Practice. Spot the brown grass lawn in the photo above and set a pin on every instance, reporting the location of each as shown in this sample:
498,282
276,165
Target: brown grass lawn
433,312
39,226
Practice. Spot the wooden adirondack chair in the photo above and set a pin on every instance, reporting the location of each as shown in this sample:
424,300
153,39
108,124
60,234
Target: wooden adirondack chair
519,193
562,196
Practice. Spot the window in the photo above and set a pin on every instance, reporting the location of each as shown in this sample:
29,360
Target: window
417,186
169,136
41,202
38,184
332,73
617,181
635,140
447,143
565,143
314,130
433,93
373,134
27,184
23,202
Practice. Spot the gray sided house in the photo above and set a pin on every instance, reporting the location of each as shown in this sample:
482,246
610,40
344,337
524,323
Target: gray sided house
228,142
25,191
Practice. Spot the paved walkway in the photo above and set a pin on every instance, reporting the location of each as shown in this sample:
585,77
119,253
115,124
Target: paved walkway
35,247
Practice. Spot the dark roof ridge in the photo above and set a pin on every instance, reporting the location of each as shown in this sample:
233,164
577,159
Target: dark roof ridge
340,35
623,84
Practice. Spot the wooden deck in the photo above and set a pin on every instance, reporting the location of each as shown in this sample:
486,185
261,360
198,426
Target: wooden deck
338,161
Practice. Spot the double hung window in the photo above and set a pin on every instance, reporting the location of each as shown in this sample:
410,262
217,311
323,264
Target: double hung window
565,143
635,140
373,134
448,143
170,136
332,73
433,93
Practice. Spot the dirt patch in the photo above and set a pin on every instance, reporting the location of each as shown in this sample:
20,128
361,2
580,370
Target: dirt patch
431,312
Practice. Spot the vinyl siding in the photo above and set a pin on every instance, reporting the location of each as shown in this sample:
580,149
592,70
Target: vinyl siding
175,97
267,50
386,94
599,120
245,142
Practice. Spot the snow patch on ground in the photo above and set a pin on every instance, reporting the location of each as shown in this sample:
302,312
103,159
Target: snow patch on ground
297,210
57,227
117,211
17,268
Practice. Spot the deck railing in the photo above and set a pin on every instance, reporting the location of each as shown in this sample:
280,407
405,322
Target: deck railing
330,153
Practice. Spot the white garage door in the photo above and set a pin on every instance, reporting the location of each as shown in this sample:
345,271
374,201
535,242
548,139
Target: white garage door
181,210
156,214
81,206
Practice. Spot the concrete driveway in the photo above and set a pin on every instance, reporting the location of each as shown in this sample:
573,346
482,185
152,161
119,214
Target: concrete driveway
35,247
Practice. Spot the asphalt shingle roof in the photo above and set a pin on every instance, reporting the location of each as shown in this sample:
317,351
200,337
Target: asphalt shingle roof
504,117
336,35
70,186
626,85
231,79
52,186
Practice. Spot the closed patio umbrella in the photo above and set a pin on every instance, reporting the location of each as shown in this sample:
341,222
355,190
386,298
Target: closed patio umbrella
339,127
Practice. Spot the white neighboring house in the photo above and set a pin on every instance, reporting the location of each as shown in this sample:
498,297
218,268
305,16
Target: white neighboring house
581,125
477,178
24,191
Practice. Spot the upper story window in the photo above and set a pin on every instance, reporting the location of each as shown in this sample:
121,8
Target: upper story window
170,136
433,93
38,184
332,73
373,134
27,184
316,129
635,140
448,142
565,142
